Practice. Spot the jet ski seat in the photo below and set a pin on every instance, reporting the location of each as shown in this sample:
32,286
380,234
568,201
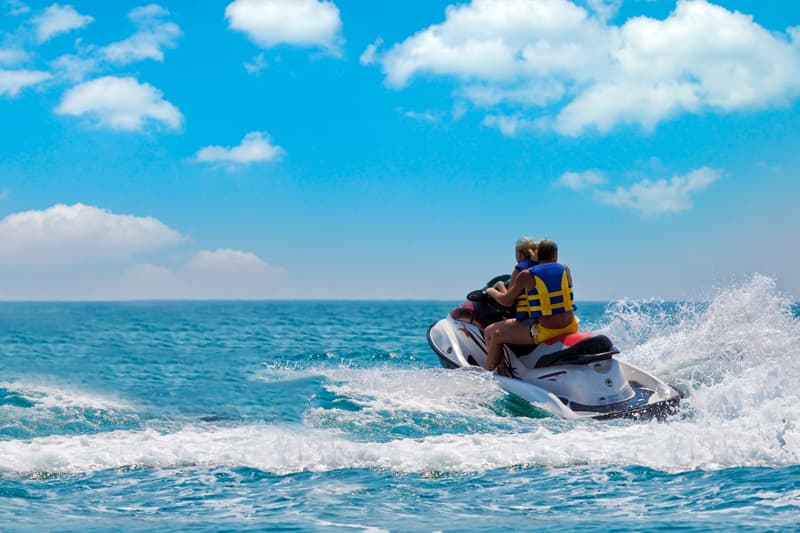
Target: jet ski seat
590,350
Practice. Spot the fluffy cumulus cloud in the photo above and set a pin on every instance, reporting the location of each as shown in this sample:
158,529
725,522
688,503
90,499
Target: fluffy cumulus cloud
12,82
153,35
573,69
500,41
661,196
605,9
70,234
79,252
256,147
120,104
58,19
209,274
305,23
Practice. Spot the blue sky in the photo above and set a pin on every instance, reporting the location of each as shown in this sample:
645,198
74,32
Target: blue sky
392,150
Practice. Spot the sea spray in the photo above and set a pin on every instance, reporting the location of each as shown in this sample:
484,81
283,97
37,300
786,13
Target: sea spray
400,435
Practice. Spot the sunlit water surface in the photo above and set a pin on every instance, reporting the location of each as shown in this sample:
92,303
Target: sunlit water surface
336,416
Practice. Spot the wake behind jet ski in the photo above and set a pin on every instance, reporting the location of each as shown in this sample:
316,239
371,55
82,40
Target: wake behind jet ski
572,376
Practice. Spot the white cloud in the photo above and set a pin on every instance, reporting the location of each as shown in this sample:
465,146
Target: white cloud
13,81
306,23
81,252
152,36
794,33
58,19
209,274
120,104
235,264
589,74
369,56
12,56
147,12
255,147
701,57
508,125
257,65
74,68
535,94
661,196
74,234
578,181
499,41
605,9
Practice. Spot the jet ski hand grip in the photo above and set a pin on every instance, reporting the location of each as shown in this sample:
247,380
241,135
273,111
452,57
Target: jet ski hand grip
477,296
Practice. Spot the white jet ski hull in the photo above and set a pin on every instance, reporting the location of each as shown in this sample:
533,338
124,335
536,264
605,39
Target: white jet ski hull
596,386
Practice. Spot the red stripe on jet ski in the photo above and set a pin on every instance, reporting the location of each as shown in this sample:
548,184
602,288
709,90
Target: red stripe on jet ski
554,374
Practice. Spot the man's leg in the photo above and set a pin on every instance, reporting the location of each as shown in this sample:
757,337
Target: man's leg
510,331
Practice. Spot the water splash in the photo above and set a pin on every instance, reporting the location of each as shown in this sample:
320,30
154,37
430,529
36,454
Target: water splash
49,394
737,358
678,446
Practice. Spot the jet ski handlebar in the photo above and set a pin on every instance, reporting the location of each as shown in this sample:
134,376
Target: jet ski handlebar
478,296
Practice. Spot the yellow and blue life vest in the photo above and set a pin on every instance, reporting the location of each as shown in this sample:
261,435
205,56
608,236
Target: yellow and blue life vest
551,294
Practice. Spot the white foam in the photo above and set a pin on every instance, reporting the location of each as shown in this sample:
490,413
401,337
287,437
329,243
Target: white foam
677,446
394,395
779,499
49,395
738,360
739,357
279,372
416,390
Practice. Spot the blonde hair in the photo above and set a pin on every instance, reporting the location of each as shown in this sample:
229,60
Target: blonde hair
526,247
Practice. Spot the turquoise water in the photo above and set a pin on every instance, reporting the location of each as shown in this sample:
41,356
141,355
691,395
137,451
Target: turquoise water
336,416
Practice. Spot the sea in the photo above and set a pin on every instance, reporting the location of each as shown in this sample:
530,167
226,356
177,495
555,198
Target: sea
336,416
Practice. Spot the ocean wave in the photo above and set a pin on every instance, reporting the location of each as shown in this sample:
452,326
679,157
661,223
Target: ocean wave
48,394
736,357
35,407
674,447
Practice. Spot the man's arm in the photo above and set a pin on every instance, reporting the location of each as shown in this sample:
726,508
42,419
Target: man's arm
518,284
502,287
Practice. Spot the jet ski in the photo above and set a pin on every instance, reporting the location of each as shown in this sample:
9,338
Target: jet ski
573,376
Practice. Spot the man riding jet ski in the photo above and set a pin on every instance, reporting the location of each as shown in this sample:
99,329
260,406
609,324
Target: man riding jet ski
569,374
544,307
